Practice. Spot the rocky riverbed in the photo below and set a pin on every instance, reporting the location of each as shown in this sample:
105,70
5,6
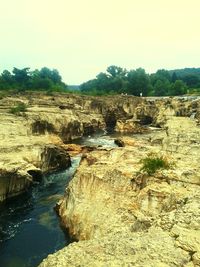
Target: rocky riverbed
119,216
123,217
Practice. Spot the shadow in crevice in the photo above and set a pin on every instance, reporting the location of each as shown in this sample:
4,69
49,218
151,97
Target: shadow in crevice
110,120
36,175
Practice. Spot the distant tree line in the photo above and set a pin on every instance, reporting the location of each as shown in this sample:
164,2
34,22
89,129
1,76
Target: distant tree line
24,79
115,80
135,82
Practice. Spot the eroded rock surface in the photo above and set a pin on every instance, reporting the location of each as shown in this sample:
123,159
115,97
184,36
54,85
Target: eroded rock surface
123,217
55,120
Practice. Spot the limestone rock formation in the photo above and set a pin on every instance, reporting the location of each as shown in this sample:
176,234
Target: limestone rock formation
123,217
23,139
130,126
127,141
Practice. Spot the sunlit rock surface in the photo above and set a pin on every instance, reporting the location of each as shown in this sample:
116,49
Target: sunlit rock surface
120,216
125,218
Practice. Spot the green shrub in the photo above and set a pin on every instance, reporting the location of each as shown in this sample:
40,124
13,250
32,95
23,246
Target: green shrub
153,162
21,107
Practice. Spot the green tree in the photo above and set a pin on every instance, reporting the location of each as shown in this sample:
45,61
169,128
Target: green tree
138,82
178,88
161,75
6,80
47,79
21,75
192,80
115,71
174,77
161,87
53,75
89,86
7,76
24,79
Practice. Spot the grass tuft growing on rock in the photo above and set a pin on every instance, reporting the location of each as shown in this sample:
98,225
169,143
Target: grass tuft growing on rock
21,107
153,162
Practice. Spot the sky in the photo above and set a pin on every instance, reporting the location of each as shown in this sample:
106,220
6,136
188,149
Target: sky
81,38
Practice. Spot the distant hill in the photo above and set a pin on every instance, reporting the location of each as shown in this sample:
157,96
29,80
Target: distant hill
191,76
185,72
74,87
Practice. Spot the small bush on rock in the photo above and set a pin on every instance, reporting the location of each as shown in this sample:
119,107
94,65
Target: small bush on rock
153,162
21,107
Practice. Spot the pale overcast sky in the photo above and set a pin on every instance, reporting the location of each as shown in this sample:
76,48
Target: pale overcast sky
81,38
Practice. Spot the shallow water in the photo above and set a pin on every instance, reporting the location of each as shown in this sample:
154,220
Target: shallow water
98,139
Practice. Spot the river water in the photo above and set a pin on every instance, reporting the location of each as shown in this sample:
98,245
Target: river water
29,226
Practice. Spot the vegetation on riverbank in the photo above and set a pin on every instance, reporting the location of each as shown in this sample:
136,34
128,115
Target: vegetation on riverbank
24,79
115,80
138,82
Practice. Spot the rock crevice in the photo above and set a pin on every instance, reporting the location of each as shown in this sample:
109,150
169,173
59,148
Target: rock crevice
123,219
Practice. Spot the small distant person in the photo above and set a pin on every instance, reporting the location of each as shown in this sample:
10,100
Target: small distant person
141,94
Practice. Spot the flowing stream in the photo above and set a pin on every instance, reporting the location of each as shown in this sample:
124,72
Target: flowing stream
29,226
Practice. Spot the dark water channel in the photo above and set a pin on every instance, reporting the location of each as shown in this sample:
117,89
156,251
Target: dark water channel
29,226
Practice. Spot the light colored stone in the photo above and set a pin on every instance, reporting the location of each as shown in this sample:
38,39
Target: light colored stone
125,219
122,218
